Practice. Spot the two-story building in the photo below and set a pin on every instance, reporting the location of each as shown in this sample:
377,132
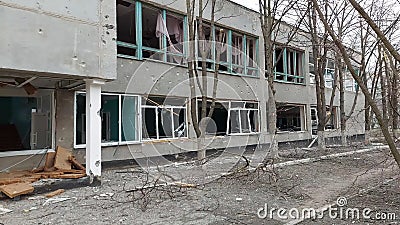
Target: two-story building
109,79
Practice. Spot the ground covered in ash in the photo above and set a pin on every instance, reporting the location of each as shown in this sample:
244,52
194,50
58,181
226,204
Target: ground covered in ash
190,193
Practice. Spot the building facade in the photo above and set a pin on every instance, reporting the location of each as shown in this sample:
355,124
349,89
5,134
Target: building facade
109,79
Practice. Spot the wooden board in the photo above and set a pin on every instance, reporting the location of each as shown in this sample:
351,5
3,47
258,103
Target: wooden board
45,175
54,193
61,161
73,171
68,176
50,156
13,190
5,181
76,164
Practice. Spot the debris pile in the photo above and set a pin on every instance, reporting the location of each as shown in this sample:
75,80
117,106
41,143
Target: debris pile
58,165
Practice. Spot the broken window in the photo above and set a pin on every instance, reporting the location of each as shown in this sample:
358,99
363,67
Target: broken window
152,44
175,38
243,118
119,119
330,73
26,122
290,117
237,56
221,48
238,52
144,31
349,82
126,23
331,118
205,46
288,65
163,118
311,68
219,117
251,52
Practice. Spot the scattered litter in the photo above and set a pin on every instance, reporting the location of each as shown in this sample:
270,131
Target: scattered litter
31,209
4,210
239,199
58,165
105,195
55,200
36,197
54,193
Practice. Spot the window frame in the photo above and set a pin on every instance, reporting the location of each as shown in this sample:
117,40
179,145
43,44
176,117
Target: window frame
284,59
139,47
114,143
170,108
229,62
239,109
303,119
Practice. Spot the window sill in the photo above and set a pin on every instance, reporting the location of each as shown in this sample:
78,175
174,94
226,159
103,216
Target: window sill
292,132
286,82
109,144
163,140
151,60
245,134
13,153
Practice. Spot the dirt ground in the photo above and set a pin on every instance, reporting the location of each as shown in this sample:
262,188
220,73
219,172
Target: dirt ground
366,179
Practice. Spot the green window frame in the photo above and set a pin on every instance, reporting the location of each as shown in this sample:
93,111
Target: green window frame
248,67
291,65
138,48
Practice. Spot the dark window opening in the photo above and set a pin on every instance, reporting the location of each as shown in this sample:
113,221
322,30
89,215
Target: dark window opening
289,118
220,117
126,24
279,60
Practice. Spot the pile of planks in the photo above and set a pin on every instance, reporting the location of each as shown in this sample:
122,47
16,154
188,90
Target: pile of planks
59,165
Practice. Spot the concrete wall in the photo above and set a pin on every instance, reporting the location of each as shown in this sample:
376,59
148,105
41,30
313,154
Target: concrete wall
85,30
62,38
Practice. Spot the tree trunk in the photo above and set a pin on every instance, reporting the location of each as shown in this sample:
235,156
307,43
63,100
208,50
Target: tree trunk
382,122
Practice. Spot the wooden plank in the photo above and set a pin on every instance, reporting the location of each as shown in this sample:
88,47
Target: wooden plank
73,171
45,175
68,176
54,193
61,161
50,157
16,189
75,163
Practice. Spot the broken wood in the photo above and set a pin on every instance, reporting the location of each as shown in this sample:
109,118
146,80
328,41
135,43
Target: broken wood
40,169
6,181
68,176
51,169
16,189
49,163
61,161
46,175
73,171
54,193
76,163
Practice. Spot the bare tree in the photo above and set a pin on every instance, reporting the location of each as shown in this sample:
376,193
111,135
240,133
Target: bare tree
382,122
272,13
200,80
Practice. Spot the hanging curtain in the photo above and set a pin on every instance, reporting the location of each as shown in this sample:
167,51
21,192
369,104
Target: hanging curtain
162,29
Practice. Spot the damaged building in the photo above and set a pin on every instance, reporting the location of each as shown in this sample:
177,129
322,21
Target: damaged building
109,80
